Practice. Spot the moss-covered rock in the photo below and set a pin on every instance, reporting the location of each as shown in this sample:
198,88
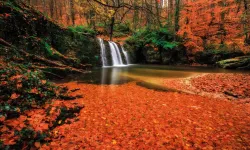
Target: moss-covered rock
210,57
108,53
235,63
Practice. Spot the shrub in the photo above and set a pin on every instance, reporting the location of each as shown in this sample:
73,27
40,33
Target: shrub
22,89
118,34
27,138
161,38
122,28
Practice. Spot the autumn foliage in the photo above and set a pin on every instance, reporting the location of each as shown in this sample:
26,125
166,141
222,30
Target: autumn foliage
194,111
213,22
26,112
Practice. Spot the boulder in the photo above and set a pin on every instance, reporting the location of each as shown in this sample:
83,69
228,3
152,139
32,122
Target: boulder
235,63
210,57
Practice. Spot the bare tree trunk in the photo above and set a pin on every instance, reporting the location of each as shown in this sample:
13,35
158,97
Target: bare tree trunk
246,22
157,7
44,6
177,15
72,11
51,5
112,27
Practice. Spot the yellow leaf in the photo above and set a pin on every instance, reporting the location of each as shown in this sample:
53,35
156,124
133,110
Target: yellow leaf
60,121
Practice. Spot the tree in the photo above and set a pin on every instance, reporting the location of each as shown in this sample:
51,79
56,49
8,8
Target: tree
72,11
177,15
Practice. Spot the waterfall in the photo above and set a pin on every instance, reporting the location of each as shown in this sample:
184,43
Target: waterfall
116,54
126,55
103,52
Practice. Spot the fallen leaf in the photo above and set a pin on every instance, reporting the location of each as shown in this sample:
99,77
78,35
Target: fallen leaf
37,144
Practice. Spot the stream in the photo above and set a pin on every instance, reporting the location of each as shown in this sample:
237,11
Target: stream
149,76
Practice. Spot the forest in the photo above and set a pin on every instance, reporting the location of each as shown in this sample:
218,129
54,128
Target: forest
124,74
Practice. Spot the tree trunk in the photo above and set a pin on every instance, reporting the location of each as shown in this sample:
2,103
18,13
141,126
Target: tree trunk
51,5
112,27
157,7
246,22
177,15
72,11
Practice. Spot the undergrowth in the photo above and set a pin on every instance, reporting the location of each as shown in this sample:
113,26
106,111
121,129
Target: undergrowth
161,38
82,29
22,89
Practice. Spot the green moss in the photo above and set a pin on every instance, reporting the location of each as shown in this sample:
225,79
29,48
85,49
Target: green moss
47,47
119,34
50,53
122,28
82,29
235,63
12,4
101,25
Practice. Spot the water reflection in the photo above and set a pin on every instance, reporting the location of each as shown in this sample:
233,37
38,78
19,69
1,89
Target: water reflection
106,76
143,73
113,75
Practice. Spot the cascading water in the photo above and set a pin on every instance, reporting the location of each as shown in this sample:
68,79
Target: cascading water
116,54
126,55
103,53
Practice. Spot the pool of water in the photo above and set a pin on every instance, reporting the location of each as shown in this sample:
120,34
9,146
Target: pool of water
143,74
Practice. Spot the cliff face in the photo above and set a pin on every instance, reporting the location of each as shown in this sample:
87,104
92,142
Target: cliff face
209,22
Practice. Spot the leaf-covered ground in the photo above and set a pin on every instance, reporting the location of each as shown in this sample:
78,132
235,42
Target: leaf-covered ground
132,117
233,86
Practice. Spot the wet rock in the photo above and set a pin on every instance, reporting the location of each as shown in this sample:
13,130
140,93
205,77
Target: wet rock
235,63
152,56
176,55
210,57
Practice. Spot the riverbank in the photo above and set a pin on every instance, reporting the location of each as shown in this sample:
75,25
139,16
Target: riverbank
232,86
